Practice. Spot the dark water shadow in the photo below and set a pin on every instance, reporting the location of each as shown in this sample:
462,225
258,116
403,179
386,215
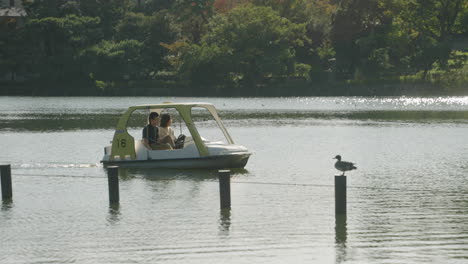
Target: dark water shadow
125,175
341,235
7,204
113,215
224,222
176,174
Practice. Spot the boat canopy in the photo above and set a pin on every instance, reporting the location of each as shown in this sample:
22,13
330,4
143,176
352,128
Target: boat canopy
123,144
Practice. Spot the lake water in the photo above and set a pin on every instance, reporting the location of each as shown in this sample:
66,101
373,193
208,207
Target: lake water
407,201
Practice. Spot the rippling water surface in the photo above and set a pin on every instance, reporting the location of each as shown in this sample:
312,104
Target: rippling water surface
407,202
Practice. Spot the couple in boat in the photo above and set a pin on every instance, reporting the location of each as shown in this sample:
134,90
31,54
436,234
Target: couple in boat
158,134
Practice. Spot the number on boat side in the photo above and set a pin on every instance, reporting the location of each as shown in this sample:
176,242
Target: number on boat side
122,143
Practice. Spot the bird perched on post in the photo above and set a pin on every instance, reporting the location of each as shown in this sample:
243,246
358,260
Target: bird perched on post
343,165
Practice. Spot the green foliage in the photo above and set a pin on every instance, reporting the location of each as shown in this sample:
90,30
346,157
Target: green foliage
109,12
255,40
193,16
245,43
431,25
302,70
316,15
151,6
113,60
454,79
55,43
374,38
152,31
325,51
101,85
12,48
362,31
133,26
71,29
43,8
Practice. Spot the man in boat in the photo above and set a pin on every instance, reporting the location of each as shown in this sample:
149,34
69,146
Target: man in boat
151,134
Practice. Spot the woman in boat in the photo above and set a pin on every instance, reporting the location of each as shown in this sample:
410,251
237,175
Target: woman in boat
166,133
151,134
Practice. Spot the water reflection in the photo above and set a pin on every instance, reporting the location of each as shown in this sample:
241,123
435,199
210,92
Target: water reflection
177,174
125,175
31,121
7,204
174,174
114,213
224,222
341,234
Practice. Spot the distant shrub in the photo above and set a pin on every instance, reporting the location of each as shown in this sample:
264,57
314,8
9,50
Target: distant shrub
303,70
101,85
455,79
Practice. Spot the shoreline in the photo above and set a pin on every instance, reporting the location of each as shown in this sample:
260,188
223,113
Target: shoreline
283,89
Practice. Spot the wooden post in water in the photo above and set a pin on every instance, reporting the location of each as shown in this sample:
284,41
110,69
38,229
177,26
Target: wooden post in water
225,188
5,174
113,179
340,195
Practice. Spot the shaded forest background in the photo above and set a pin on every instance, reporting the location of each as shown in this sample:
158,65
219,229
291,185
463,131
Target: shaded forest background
236,47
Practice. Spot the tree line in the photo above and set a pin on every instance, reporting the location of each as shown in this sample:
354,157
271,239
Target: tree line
246,46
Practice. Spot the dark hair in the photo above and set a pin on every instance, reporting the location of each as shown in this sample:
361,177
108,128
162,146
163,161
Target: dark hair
164,120
152,115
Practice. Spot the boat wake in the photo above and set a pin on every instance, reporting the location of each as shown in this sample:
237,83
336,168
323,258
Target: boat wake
39,165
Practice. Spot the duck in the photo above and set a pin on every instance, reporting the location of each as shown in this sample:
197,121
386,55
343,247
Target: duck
343,165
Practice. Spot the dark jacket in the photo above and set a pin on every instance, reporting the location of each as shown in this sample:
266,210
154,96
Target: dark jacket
151,133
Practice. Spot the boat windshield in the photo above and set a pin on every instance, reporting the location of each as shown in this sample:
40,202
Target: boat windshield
139,119
205,123
178,124
207,126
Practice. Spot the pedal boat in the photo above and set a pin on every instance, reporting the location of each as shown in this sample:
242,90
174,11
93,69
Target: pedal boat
197,152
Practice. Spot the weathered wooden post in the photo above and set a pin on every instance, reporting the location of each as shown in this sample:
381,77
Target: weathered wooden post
341,230
113,179
225,188
5,172
340,195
